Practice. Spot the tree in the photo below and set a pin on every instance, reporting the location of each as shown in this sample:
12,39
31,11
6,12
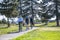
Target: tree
7,8
47,8
57,4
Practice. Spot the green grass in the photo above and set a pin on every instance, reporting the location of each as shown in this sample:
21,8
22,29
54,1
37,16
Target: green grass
11,29
50,24
40,35
14,28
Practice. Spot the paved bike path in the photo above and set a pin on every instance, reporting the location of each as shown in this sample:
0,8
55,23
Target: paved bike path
14,35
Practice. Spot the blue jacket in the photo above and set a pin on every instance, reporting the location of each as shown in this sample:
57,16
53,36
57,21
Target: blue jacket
20,19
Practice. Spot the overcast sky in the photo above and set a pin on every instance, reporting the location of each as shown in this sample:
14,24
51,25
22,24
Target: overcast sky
1,1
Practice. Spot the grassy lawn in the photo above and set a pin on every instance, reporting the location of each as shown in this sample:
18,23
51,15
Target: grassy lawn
14,28
34,35
40,35
50,24
11,29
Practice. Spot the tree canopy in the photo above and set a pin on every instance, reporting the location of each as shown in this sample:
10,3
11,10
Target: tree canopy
8,7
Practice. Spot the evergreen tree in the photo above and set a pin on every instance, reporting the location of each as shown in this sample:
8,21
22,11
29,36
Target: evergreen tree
7,8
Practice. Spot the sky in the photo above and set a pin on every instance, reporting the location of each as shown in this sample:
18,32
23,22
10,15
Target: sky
1,1
2,16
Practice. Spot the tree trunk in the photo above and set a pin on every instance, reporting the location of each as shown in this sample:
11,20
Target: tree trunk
57,17
57,21
8,22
